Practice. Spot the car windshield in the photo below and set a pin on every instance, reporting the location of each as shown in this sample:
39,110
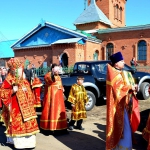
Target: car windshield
82,68
102,68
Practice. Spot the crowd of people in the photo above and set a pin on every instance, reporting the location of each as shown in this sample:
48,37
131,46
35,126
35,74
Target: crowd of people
18,112
20,96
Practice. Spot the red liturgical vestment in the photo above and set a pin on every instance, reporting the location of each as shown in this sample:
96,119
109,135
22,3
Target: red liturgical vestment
36,88
53,114
116,92
18,112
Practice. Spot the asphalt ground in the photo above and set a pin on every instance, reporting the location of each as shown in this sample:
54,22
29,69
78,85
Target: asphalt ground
92,138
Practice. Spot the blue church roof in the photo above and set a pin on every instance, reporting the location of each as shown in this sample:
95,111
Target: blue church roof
6,50
92,14
45,34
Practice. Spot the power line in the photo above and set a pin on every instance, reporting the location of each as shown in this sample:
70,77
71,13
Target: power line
3,36
4,39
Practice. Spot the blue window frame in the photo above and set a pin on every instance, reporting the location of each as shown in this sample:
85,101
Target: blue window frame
142,50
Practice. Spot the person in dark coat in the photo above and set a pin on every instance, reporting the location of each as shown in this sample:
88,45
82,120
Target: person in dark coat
33,72
28,73
3,73
134,63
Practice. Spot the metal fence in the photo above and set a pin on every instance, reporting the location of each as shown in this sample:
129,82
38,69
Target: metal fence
66,70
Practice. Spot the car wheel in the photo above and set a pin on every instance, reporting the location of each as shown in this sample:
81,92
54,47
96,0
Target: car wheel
91,102
144,90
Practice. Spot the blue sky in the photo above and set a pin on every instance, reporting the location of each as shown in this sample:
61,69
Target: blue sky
18,17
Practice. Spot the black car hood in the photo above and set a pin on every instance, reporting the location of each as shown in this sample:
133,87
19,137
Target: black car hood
141,74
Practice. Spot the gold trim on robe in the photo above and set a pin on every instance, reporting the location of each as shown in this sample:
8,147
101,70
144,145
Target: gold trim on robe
36,89
78,97
53,115
116,93
18,111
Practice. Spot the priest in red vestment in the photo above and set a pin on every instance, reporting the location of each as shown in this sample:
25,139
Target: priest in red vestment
118,126
18,112
0,105
36,89
53,116
0,98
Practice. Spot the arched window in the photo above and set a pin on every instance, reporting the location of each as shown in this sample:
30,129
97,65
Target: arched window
120,14
116,8
64,60
95,55
115,12
109,50
142,50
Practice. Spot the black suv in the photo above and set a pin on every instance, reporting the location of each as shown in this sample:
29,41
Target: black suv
94,73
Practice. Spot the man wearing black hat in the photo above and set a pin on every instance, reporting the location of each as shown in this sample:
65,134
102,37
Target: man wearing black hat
118,87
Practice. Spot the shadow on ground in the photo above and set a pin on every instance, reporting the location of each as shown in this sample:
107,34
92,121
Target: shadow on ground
144,116
81,141
101,132
3,137
141,143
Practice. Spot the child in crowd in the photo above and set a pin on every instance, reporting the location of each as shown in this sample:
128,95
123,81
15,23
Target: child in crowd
78,99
